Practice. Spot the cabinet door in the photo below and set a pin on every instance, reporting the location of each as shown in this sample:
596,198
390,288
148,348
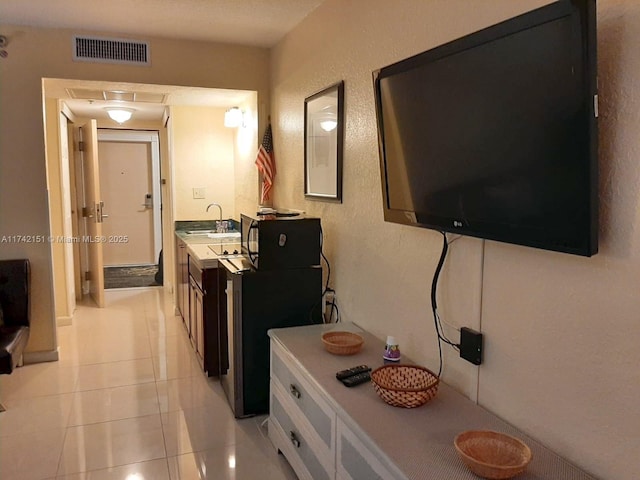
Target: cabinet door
355,460
191,316
196,319
295,441
184,284
221,361
199,323
182,278
178,274
303,397
214,302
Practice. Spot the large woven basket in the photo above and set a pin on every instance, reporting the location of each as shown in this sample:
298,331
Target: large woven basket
406,386
342,343
491,454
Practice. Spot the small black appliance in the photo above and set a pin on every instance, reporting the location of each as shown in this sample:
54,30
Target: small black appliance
274,242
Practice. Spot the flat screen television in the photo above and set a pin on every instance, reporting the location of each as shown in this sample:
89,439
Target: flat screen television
494,135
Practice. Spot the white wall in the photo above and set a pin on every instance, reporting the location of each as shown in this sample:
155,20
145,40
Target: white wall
561,332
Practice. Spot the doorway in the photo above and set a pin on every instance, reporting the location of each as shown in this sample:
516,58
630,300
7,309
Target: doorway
130,186
155,106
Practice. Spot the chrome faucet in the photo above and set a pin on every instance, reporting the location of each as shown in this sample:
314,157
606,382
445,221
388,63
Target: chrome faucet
219,224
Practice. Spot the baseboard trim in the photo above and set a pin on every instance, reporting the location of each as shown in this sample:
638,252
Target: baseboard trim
64,321
40,357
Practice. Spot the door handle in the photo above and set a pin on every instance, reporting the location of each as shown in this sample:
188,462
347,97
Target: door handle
294,391
99,215
294,439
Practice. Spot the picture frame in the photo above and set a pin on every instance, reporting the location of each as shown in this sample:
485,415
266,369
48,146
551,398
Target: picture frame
323,143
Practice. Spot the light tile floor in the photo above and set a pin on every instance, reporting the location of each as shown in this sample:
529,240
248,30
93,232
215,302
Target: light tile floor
127,401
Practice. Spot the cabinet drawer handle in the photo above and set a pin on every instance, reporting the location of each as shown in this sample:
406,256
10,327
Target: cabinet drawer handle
294,391
294,439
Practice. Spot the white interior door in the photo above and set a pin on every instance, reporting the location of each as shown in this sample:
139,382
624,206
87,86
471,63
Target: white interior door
130,186
93,207
67,206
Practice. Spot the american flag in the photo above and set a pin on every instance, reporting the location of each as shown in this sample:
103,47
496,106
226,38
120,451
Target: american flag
266,163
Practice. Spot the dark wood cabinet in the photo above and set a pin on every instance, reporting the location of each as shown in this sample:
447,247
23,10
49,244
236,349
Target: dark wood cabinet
202,303
182,279
222,339
196,320
207,311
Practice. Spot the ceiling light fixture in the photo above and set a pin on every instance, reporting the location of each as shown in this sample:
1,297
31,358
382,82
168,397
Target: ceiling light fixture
234,117
328,125
119,114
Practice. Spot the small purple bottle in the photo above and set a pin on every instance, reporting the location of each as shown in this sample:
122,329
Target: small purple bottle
391,350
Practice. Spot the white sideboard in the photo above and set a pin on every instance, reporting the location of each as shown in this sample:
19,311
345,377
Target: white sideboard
329,431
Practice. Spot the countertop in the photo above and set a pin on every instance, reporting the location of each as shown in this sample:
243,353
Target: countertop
418,441
198,248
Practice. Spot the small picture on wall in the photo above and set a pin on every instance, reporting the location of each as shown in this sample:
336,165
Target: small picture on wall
324,127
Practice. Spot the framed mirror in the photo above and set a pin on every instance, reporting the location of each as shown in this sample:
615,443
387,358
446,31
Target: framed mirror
323,134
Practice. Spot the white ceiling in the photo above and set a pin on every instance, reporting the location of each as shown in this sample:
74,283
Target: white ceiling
260,23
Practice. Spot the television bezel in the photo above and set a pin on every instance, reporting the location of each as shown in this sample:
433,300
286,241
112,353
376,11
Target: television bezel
586,9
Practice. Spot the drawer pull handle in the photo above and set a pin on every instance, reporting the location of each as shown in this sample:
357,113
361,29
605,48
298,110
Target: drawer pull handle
294,439
294,391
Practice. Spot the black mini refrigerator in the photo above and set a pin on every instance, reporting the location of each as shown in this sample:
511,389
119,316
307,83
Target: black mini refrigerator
258,300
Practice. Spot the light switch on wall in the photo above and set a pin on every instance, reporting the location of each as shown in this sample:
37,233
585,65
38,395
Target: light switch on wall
198,192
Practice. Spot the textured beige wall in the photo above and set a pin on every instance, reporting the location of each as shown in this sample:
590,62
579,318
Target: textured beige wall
245,148
34,54
561,332
202,157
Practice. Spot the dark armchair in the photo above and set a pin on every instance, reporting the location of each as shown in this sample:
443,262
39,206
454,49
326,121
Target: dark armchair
15,313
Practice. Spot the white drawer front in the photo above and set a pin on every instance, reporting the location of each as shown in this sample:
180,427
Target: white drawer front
299,442
355,461
317,412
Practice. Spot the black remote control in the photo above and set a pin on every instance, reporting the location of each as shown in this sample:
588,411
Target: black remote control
350,372
357,379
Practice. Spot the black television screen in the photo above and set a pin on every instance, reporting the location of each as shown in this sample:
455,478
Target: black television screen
494,135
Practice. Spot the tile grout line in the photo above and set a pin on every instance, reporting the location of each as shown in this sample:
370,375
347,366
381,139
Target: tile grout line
187,361
162,428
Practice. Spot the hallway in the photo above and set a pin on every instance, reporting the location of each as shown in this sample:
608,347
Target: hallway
127,401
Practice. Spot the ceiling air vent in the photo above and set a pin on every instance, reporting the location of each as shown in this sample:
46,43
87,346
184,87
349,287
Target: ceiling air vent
110,50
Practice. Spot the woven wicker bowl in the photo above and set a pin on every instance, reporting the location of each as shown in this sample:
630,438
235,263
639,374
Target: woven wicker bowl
342,343
492,455
406,386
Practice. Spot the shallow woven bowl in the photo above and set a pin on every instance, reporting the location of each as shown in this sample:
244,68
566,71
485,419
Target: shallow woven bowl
492,455
406,386
342,343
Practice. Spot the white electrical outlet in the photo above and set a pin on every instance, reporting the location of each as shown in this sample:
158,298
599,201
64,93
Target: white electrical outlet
198,192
